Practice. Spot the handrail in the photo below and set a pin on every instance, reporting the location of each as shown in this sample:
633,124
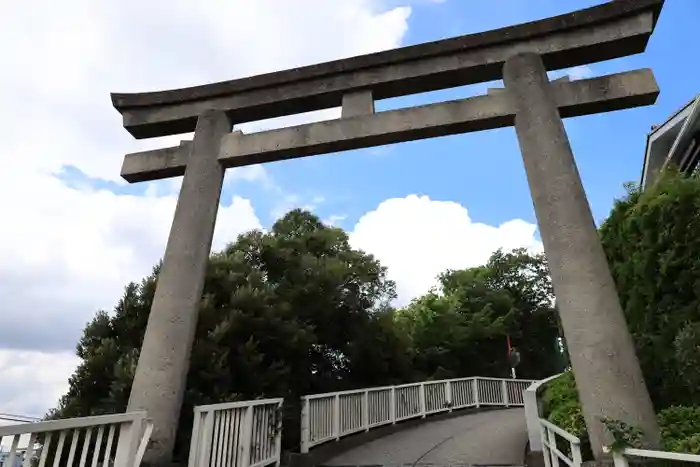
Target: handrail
330,416
620,457
117,440
552,454
236,405
69,423
532,412
561,432
550,451
350,391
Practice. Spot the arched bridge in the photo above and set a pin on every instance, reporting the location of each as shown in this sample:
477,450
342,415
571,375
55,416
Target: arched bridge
468,421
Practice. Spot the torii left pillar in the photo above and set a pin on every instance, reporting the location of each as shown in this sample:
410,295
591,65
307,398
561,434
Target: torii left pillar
161,374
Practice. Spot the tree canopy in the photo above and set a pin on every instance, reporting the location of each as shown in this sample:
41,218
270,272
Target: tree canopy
462,328
652,240
297,311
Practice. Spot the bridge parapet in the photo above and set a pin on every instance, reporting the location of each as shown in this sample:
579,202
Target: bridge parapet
330,416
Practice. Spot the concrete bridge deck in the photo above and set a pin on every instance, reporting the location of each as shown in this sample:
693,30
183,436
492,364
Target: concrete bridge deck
490,438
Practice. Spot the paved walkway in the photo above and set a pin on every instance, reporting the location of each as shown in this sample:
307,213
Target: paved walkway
491,438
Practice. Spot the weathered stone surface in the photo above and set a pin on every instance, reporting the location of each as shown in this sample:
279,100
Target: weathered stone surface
608,375
495,91
611,30
617,91
357,103
160,376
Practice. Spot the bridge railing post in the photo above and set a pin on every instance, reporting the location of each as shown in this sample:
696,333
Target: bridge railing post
448,394
475,390
365,411
392,408
421,398
552,439
619,460
278,435
304,425
247,441
504,391
204,452
336,417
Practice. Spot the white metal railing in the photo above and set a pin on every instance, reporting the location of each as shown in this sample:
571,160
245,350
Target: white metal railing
533,412
237,434
620,458
551,452
330,416
103,441
548,433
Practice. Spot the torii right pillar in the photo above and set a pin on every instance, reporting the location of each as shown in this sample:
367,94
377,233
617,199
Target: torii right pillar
608,376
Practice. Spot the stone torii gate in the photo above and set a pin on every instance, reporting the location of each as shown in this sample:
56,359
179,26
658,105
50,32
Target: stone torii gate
602,352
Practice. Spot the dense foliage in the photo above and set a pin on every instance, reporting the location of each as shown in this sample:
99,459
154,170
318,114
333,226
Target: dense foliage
652,241
680,425
462,328
561,406
680,428
297,311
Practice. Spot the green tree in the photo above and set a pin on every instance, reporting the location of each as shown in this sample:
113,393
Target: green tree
461,329
291,312
534,326
652,241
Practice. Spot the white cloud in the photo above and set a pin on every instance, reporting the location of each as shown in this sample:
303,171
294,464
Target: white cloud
334,219
574,73
77,251
33,378
417,238
580,72
66,251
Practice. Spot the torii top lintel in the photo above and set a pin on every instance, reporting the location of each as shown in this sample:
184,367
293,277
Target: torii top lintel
614,29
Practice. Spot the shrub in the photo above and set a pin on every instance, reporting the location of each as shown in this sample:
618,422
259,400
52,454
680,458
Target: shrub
680,425
652,239
624,435
561,405
680,428
690,445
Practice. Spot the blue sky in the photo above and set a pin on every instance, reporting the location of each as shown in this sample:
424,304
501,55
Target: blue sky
483,171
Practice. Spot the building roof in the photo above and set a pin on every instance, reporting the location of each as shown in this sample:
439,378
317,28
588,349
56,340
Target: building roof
668,141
